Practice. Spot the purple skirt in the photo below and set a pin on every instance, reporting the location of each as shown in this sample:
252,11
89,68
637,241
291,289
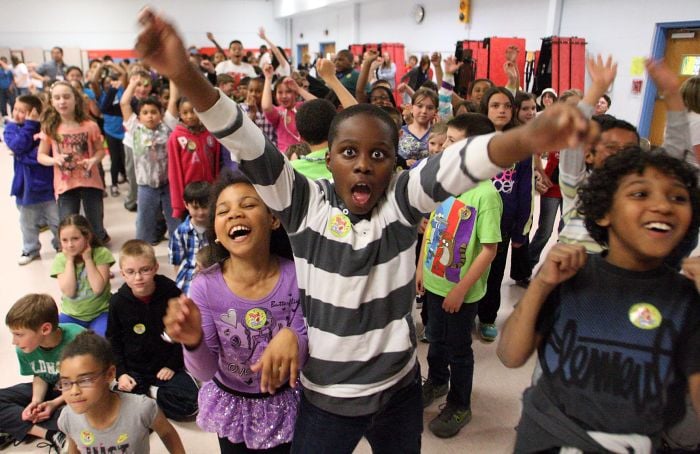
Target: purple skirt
259,423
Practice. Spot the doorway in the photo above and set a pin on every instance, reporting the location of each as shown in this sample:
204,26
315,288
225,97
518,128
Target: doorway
678,43
327,49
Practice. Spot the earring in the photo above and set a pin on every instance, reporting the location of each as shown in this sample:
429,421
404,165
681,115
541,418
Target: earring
217,241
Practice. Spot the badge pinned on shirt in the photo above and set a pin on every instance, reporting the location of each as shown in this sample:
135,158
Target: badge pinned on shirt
139,328
191,145
256,318
645,316
122,438
87,438
339,225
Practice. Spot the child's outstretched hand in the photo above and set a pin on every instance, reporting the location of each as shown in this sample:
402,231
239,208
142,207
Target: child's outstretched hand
279,362
183,321
691,268
29,412
562,262
557,127
435,58
325,68
666,80
126,382
261,34
160,46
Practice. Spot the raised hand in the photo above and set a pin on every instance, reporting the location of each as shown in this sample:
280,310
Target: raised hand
325,68
268,71
279,361
512,53
183,321
261,34
207,66
291,84
370,56
602,73
436,58
558,127
666,80
160,46
562,263
210,36
452,65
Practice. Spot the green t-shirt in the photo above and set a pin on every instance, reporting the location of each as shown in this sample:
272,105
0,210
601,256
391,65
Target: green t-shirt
85,306
455,233
313,165
44,363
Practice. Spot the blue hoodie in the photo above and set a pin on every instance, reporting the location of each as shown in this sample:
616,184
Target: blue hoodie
33,182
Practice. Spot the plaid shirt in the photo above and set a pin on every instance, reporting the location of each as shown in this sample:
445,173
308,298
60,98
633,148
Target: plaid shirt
184,244
267,128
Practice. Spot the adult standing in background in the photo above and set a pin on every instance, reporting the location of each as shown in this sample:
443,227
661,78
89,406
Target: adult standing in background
55,69
21,73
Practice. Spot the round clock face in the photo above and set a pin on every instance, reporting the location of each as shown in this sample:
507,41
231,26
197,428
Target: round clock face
418,13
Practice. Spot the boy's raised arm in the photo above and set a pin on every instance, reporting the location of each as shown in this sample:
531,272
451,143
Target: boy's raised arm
162,48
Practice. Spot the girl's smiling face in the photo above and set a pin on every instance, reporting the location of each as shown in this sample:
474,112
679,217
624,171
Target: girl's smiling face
73,242
423,111
527,111
285,97
242,222
187,115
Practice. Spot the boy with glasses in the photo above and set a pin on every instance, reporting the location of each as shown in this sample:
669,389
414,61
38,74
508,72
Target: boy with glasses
147,364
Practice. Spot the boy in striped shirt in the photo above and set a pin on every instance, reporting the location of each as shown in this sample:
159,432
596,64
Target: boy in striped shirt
354,243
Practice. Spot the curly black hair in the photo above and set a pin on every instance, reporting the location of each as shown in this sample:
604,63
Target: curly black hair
597,193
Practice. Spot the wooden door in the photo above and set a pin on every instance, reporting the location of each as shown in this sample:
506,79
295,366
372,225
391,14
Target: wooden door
685,44
328,50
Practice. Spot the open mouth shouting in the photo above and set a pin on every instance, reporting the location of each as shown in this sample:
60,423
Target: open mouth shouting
239,233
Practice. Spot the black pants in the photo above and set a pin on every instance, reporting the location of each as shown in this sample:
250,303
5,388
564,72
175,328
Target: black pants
491,302
116,155
13,401
177,397
520,268
240,448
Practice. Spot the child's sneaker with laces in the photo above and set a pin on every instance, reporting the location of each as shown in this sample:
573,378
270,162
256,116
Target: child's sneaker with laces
488,332
25,258
450,421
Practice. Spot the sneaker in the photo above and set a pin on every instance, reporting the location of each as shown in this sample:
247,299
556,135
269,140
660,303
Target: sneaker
114,191
450,421
130,207
431,391
56,442
106,240
25,259
6,440
488,332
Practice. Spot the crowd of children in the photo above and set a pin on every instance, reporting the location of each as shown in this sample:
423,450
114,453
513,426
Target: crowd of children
303,229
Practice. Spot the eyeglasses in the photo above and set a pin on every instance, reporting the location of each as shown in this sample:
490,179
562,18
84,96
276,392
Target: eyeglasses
87,381
145,271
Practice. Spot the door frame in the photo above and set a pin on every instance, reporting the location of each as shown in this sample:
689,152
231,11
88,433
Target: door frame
658,49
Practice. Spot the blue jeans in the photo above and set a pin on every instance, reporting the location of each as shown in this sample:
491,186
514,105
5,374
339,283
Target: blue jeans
97,324
396,427
450,354
31,218
69,203
150,202
548,214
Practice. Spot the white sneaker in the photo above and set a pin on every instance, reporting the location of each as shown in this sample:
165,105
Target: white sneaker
27,258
